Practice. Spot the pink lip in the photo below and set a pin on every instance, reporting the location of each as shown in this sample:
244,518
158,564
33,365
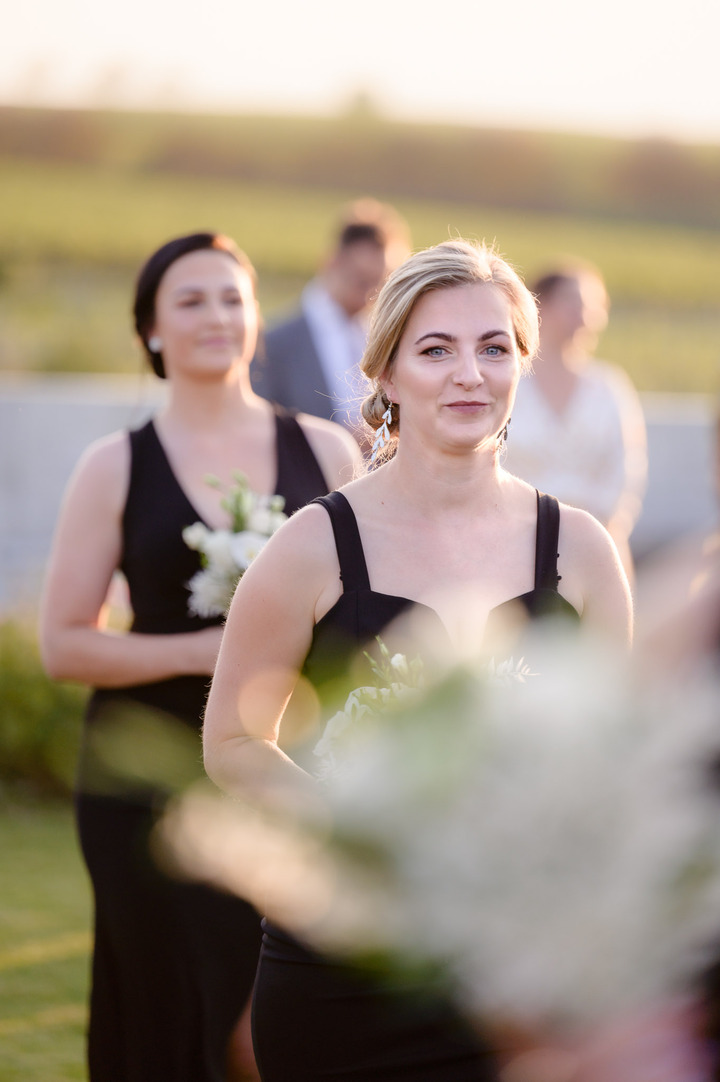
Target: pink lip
466,407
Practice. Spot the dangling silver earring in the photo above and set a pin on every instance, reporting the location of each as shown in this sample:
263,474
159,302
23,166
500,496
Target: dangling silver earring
155,343
382,436
502,438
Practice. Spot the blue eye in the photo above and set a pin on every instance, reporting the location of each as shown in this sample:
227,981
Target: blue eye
434,351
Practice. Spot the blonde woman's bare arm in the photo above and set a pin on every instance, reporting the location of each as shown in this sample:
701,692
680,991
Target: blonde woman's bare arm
593,577
267,637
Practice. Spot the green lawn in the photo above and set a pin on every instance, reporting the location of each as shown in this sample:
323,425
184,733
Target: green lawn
44,946
72,237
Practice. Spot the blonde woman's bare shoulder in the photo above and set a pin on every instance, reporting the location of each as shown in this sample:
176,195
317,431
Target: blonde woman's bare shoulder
582,529
299,560
592,575
306,542
336,450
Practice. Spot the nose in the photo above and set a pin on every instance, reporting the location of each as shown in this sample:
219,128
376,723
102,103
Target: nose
218,312
468,370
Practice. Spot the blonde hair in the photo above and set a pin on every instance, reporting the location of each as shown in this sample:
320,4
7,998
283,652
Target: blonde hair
452,263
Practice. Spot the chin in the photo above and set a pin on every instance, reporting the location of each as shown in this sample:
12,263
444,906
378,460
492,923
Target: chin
214,372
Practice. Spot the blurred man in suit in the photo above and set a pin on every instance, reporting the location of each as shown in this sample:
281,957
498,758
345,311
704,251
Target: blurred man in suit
309,361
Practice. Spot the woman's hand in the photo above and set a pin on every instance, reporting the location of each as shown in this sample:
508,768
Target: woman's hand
202,648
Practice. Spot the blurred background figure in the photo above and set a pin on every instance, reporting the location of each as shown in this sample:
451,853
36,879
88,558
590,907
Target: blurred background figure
578,429
310,360
174,962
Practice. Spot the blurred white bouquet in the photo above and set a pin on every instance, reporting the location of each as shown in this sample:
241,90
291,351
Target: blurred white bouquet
551,846
399,683
226,554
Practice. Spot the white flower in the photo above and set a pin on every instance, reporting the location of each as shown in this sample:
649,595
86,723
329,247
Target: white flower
244,547
265,519
226,554
219,549
508,671
194,536
400,664
210,592
552,843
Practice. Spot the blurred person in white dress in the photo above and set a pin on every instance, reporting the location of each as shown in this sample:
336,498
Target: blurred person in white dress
578,429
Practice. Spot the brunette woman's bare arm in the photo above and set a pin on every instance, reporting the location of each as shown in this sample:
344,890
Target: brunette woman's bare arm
86,552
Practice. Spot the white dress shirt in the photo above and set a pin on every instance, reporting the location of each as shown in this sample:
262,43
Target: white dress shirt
340,342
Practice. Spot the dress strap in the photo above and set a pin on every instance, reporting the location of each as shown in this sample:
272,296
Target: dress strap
297,466
546,542
353,569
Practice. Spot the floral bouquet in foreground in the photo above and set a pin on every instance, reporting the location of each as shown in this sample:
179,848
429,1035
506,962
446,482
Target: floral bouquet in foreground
226,554
549,846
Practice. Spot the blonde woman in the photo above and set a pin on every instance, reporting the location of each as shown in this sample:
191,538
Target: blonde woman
440,529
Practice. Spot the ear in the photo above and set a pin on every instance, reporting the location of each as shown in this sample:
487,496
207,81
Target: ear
388,386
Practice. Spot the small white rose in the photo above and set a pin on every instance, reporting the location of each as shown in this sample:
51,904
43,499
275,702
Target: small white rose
195,536
400,664
219,549
245,546
265,518
260,520
210,593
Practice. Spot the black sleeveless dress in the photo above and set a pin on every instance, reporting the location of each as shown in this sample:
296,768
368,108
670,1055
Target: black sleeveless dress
174,962
315,1020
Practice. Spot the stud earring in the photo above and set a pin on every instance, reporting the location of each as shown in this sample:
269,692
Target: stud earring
155,343
382,436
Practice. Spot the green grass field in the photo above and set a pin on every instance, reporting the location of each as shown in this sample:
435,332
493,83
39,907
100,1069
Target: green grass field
44,946
72,237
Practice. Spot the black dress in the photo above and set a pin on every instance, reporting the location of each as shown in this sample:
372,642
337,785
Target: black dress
174,962
315,1020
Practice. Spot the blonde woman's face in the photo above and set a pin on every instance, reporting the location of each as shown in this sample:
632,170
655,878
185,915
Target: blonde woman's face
457,367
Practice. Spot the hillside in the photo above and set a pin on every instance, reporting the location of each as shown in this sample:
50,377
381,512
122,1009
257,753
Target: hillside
86,196
653,180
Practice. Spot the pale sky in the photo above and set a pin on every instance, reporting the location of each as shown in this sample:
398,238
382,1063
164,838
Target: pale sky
626,66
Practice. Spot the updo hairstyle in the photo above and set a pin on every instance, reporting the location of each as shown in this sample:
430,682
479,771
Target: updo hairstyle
452,263
152,273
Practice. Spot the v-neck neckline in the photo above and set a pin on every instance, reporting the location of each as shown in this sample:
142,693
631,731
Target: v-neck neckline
166,459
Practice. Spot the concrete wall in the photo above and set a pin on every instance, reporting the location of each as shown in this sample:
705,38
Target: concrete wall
45,423
681,496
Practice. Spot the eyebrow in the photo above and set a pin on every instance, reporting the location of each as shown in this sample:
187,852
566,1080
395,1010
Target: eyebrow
451,338
180,290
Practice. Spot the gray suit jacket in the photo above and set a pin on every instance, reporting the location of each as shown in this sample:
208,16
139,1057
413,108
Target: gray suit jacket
288,371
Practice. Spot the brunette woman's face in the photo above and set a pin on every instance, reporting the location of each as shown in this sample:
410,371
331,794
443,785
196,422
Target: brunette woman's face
457,367
206,315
